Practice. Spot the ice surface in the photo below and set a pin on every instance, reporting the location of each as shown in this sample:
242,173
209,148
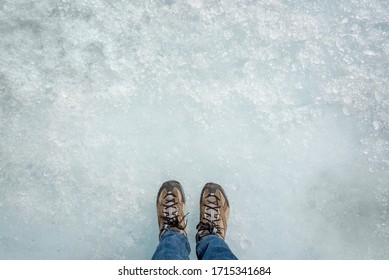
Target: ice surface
283,103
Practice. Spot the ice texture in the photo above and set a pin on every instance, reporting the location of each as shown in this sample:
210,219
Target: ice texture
285,103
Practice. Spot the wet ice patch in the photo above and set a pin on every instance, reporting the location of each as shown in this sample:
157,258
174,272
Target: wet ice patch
196,3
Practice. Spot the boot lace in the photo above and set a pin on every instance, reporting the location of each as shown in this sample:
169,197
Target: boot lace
171,213
212,216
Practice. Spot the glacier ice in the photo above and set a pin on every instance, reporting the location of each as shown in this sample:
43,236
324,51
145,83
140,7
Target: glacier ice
283,103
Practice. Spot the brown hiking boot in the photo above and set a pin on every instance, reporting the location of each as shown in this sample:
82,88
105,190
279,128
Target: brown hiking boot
214,212
170,208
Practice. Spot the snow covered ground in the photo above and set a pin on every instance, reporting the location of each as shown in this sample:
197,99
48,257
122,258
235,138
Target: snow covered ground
283,103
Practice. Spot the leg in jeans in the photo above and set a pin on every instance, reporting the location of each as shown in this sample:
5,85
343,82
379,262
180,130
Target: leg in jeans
172,246
214,212
173,243
212,247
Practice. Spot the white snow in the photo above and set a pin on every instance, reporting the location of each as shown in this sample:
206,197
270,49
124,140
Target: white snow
283,103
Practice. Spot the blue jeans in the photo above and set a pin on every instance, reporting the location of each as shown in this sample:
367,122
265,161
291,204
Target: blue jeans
175,246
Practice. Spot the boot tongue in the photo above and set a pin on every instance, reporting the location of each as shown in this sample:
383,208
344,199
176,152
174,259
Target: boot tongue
213,201
171,209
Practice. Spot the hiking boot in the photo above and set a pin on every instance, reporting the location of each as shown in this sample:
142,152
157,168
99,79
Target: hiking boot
170,208
214,212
